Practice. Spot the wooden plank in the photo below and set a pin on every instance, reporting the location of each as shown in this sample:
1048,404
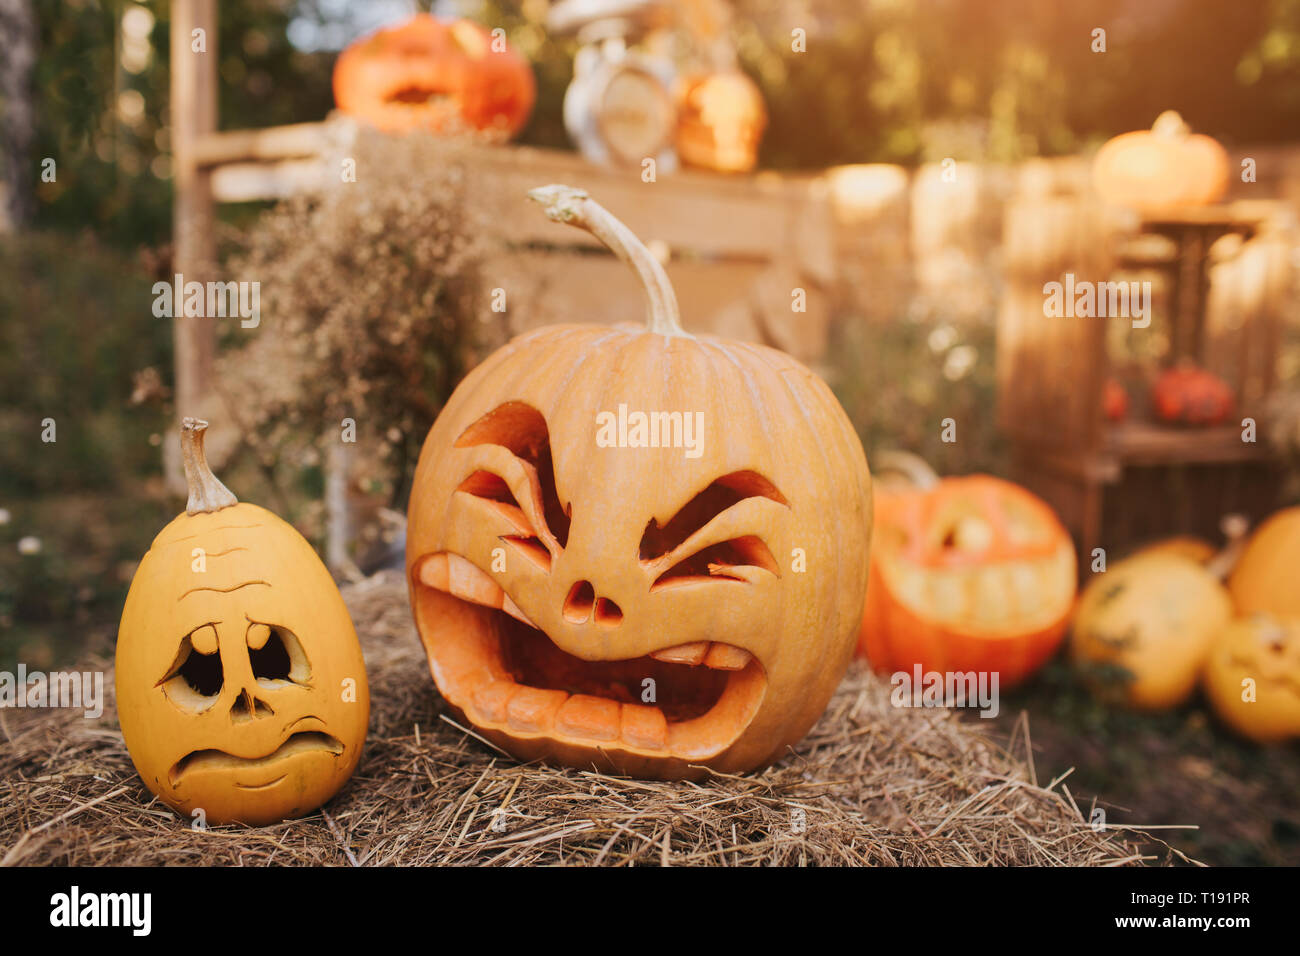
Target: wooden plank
545,288
193,114
275,142
755,217
247,182
1142,443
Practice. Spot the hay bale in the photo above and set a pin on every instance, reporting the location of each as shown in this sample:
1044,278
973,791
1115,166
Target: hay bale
872,784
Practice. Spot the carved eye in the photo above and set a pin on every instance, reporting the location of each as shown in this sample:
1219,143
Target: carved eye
276,655
713,561
195,677
521,430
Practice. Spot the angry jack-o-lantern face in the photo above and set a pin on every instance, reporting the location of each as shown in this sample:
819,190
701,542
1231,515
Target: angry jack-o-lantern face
240,685
638,548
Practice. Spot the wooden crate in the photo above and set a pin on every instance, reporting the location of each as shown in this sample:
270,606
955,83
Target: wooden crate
1117,484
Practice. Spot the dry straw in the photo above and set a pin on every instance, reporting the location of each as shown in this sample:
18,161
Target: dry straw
872,784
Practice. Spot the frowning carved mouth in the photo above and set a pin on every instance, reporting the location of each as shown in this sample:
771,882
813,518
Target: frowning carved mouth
490,661
298,743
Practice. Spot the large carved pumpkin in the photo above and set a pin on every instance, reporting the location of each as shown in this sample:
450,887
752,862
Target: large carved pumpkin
1161,169
1144,626
975,574
721,119
240,684
435,75
1267,578
594,585
1252,679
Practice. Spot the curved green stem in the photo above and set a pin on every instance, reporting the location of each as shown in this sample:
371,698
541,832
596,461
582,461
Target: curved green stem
575,208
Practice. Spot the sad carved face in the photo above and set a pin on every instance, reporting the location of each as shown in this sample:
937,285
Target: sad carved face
639,551
241,689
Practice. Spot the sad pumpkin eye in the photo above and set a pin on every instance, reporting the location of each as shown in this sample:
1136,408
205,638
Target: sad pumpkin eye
275,655
195,676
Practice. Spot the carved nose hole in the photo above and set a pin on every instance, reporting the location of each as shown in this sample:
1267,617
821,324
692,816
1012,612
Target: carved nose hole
247,706
577,606
608,613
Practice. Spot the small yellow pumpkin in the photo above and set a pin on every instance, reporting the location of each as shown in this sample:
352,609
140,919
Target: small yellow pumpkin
1143,628
241,689
1252,679
1267,578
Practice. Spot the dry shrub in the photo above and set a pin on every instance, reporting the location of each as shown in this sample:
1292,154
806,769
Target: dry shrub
371,310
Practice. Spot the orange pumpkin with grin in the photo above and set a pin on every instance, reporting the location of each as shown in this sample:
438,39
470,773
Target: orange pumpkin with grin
655,607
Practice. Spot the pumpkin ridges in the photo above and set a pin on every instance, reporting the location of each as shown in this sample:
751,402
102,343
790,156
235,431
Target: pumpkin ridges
744,410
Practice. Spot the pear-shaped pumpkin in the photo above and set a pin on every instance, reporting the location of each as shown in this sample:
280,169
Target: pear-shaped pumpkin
241,689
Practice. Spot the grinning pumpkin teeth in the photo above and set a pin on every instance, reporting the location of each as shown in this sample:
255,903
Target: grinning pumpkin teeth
466,581
726,657
693,653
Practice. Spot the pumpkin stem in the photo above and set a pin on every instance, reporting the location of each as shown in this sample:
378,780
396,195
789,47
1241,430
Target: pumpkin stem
207,493
574,207
1234,528
915,469
1170,124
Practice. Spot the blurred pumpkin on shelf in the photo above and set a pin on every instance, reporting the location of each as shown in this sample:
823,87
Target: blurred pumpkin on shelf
1267,578
721,118
1252,679
1144,627
1186,394
967,574
1114,401
431,74
1162,168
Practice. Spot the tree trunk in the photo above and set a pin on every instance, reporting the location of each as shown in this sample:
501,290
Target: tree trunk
18,120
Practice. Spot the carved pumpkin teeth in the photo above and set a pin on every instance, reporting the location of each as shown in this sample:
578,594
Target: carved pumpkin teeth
433,572
644,727
693,653
466,581
495,697
725,657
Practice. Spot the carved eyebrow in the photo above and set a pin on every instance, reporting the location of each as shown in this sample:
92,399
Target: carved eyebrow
233,587
721,494
521,430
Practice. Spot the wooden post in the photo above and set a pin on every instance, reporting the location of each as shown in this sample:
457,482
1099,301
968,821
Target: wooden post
193,115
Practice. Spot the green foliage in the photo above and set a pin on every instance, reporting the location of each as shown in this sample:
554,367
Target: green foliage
75,322
899,380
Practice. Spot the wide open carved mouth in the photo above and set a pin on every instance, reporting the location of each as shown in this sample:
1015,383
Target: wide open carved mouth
690,701
298,743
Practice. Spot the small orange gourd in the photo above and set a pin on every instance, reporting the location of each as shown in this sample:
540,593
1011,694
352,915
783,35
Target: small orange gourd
973,574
